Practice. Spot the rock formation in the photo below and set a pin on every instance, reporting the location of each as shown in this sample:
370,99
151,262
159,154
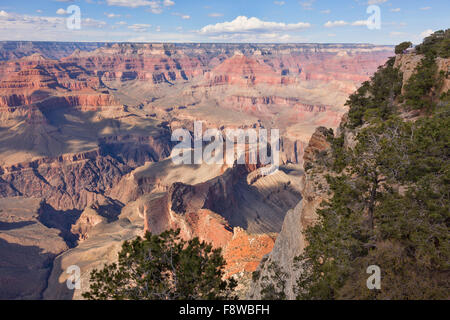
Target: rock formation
86,128
291,242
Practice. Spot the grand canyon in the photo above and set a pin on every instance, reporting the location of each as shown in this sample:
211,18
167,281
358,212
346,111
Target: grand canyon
85,147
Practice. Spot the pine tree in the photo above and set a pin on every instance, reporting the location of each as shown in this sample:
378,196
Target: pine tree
163,267
390,203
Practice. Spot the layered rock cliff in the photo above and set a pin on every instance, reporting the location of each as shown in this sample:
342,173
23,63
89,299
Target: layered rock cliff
320,159
86,128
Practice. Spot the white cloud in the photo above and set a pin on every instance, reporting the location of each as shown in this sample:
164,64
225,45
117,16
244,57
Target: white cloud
395,10
183,16
168,3
130,3
215,15
53,28
139,27
60,11
342,23
242,24
112,15
397,34
156,6
93,23
425,8
426,33
258,38
39,11
359,23
307,4
370,2
44,28
279,3
121,23
331,24
328,11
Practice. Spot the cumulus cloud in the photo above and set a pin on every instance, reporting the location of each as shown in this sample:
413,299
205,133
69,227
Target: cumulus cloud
255,38
360,23
342,23
339,23
397,34
426,33
131,3
21,27
307,4
279,3
215,15
156,6
183,16
425,8
370,2
112,15
242,24
28,27
395,10
93,23
60,11
168,3
139,27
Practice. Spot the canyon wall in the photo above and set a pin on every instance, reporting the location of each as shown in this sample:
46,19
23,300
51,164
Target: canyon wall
86,130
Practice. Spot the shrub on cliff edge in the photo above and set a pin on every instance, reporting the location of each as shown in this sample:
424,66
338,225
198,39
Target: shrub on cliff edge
163,267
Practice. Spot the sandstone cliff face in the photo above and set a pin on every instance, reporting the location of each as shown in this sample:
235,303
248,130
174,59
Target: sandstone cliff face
34,78
10,50
90,133
185,207
27,249
74,181
290,243
408,62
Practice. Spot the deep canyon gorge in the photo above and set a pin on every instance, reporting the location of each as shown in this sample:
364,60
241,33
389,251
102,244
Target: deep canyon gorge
85,146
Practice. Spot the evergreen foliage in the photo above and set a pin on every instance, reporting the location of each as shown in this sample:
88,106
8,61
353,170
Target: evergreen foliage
375,98
402,47
390,202
163,267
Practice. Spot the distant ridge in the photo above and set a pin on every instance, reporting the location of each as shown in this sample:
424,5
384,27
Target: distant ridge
10,50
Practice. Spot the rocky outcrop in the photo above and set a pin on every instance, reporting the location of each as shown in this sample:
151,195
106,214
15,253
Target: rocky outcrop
90,133
27,248
76,180
408,62
290,242
183,207
10,50
34,79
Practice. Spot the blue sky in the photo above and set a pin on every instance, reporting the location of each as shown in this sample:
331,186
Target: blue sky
321,21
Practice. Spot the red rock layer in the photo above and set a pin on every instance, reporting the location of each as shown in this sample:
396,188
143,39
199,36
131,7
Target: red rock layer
34,79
